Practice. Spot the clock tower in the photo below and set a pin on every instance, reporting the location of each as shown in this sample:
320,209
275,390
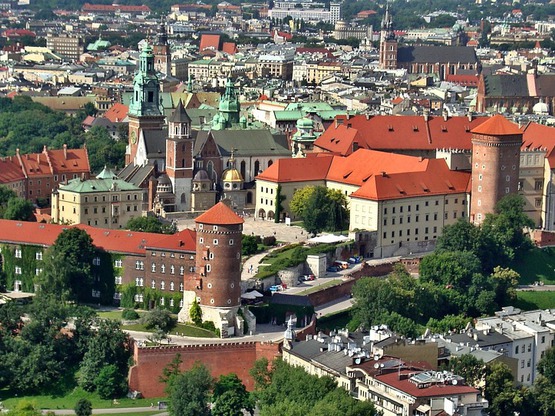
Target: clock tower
145,110
179,157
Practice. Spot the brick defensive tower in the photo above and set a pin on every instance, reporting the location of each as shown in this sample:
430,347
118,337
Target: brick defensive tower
495,164
217,284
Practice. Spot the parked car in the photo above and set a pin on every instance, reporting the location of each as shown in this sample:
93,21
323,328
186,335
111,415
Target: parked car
341,264
355,259
306,277
332,269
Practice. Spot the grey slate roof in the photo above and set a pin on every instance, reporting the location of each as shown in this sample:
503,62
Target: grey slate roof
545,85
283,299
435,54
506,86
179,115
484,341
245,142
136,175
155,142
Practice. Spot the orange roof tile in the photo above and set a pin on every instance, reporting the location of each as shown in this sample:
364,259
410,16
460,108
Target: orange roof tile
120,241
10,170
497,126
538,136
364,164
70,160
230,48
339,139
219,214
298,169
437,179
208,41
117,113
408,132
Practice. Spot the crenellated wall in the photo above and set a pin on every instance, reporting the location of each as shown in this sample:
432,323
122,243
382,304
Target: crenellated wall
220,358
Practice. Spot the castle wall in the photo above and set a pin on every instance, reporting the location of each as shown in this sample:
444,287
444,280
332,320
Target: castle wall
224,358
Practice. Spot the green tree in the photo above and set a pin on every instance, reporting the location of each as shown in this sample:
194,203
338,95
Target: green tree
499,390
158,318
189,392
471,368
108,346
448,323
230,397
171,371
505,282
109,382
300,199
249,245
24,408
546,366
19,209
450,268
67,266
261,374
5,195
325,210
83,407
150,224
195,313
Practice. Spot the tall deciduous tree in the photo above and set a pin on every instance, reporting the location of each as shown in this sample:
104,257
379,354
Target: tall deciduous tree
189,392
230,397
19,209
67,266
150,224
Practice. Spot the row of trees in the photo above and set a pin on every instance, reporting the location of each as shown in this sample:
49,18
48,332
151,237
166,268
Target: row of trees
280,390
44,354
467,276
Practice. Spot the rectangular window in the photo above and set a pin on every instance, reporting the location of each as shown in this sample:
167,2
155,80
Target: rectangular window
38,255
17,253
538,184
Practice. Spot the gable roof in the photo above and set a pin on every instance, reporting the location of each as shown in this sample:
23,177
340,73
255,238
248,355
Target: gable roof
244,142
219,214
437,179
497,126
506,85
10,170
209,41
435,54
119,241
391,133
117,113
311,168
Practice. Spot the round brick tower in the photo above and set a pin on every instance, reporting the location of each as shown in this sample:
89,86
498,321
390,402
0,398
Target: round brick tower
218,262
495,164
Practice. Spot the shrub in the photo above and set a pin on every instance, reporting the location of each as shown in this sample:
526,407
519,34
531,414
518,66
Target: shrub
160,318
130,315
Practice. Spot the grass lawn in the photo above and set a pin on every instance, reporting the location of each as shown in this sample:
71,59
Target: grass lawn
529,300
537,264
313,289
69,400
186,330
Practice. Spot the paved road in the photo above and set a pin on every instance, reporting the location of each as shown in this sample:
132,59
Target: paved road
534,288
110,410
338,305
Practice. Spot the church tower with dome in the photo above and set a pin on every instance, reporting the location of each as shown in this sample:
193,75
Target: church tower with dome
145,112
232,183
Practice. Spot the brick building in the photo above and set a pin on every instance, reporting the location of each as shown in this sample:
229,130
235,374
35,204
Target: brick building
148,268
33,176
495,164
216,284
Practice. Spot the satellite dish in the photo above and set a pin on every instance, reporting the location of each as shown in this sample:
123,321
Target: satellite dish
376,357
455,382
376,366
358,360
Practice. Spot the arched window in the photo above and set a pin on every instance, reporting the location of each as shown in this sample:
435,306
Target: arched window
243,170
256,167
210,170
270,162
183,199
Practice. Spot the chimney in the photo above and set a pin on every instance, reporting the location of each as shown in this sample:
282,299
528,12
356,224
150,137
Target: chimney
65,151
469,115
444,113
426,114
336,123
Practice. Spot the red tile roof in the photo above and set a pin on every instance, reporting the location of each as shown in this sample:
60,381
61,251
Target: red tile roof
339,139
406,132
230,48
119,241
117,113
466,80
10,170
538,136
209,41
219,214
407,386
437,179
298,169
364,164
497,126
